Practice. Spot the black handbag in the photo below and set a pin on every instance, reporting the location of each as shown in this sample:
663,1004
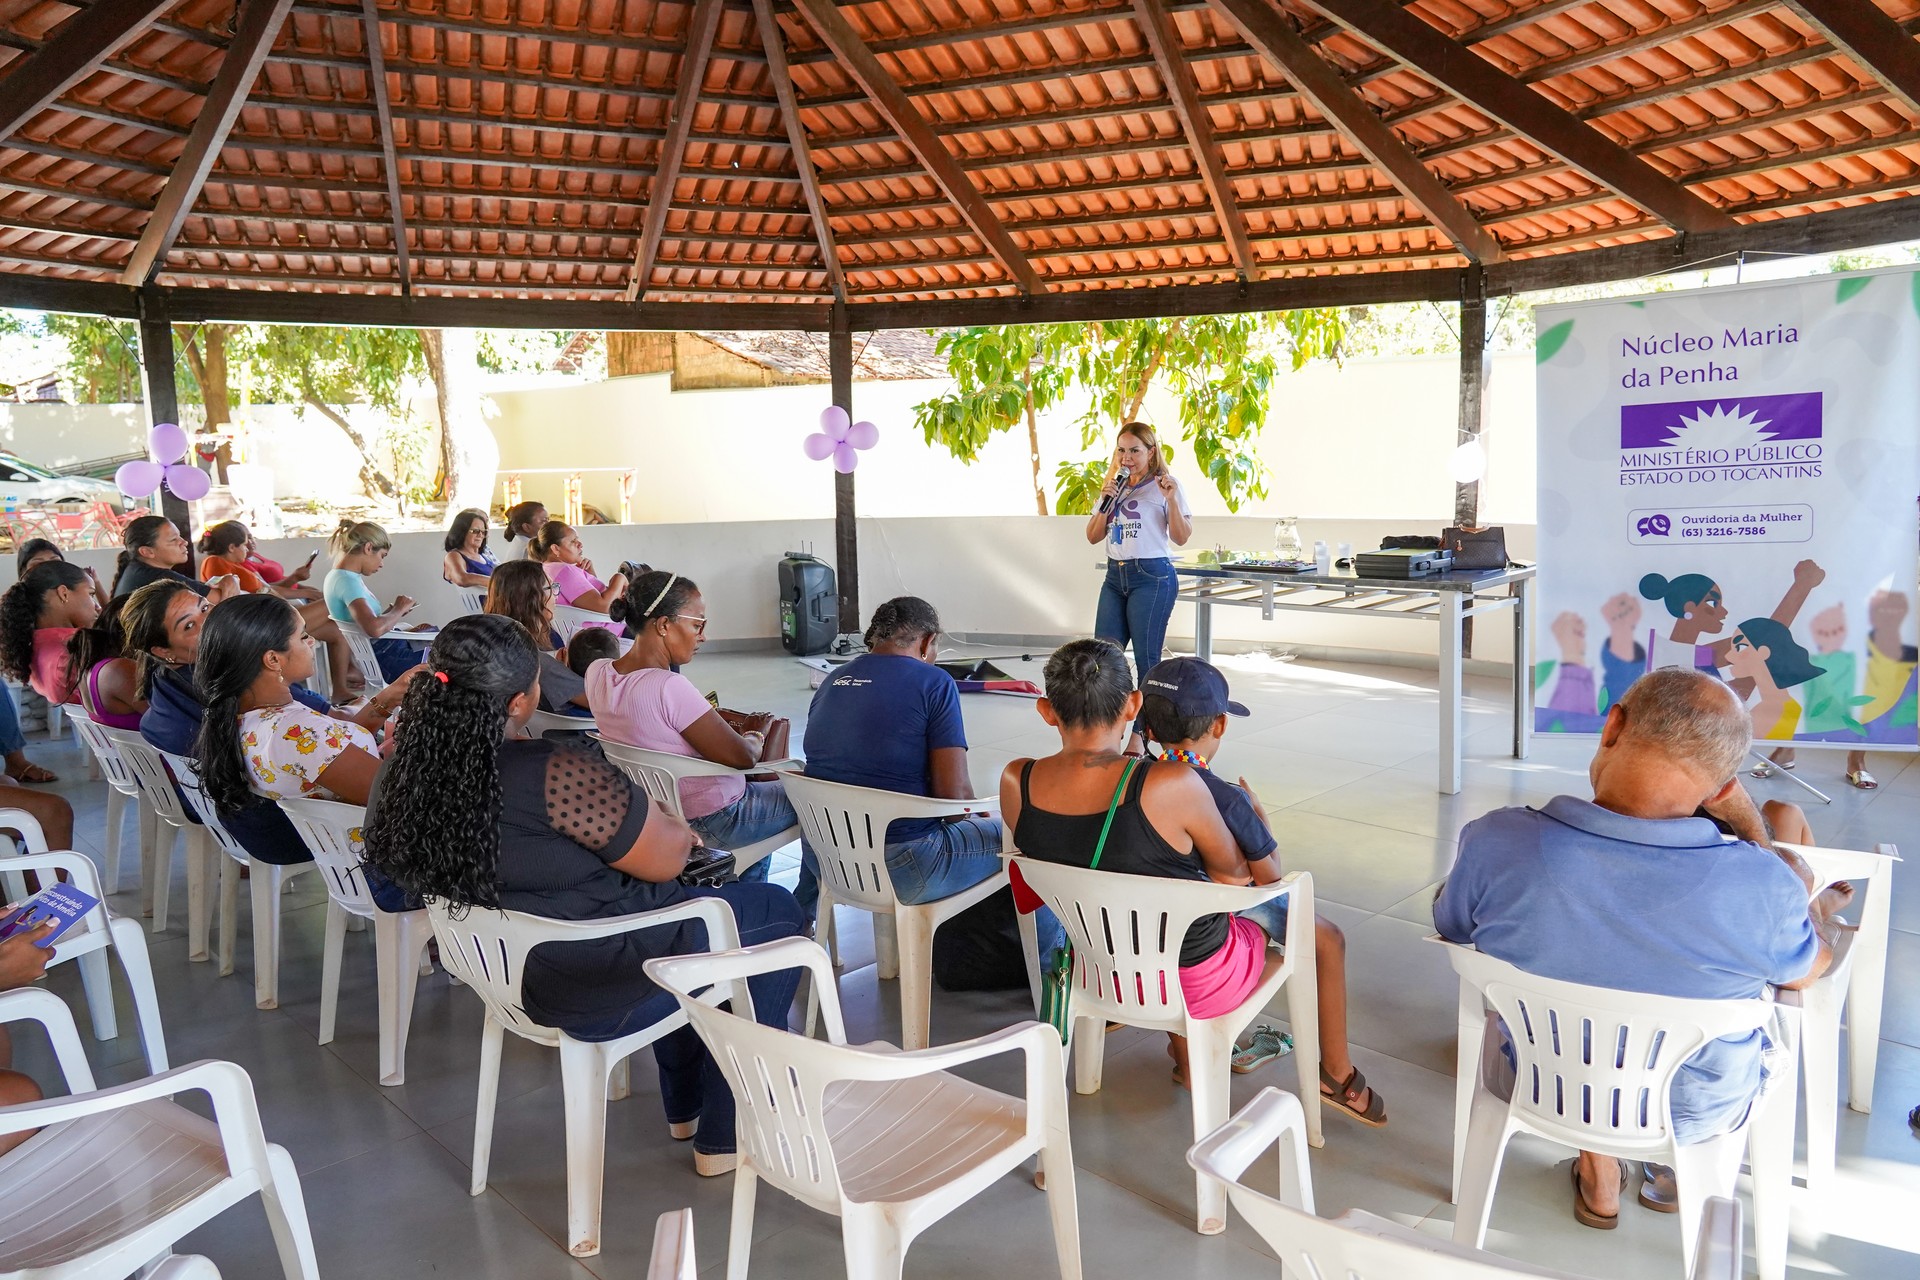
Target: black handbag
1476,548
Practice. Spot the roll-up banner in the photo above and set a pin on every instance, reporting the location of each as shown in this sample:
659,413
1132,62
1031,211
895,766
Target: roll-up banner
1728,481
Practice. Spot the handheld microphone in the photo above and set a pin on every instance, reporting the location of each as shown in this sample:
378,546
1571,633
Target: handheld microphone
1106,504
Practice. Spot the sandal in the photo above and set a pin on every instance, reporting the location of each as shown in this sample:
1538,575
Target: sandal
36,774
1261,1047
1658,1190
1345,1097
1863,780
1767,768
1582,1213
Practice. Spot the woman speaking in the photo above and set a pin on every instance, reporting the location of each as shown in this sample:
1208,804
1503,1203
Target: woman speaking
1142,516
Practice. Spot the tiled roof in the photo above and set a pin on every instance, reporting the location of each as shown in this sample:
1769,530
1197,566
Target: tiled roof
918,150
886,355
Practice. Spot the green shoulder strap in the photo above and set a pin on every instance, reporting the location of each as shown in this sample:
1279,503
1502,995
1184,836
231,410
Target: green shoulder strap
1112,805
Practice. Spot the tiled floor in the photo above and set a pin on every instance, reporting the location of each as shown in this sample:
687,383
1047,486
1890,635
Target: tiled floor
1343,757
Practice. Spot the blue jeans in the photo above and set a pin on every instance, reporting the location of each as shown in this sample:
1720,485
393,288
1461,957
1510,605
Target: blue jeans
396,657
762,812
951,857
11,737
1136,602
692,1086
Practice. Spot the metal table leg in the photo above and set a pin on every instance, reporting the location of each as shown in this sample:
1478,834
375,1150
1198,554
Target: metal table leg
1203,627
1450,618
1522,669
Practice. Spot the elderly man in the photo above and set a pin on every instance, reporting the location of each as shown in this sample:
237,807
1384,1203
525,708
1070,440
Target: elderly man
1666,882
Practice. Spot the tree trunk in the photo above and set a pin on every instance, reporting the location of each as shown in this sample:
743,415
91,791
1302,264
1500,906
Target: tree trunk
1033,447
376,482
210,372
469,455
1146,377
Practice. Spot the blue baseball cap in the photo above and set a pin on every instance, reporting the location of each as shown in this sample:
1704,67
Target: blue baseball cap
1195,688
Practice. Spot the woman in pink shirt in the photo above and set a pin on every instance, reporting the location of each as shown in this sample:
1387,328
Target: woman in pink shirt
639,699
561,553
39,615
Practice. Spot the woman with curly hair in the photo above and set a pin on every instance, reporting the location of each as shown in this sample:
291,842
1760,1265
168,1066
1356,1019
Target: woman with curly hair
642,699
39,616
258,741
521,590
468,563
470,812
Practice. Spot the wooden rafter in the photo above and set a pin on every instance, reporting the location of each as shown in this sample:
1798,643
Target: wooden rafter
1481,85
666,175
1876,43
81,44
258,22
776,46
898,111
383,108
1321,85
1156,24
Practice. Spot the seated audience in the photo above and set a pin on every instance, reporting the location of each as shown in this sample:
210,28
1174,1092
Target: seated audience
37,551
272,572
469,812
588,646
1185,708
1666,882
359,551
154,553
525,521
641,699
110,688
258,740
468,563
521,590
891,720
1164,822
39,616
560,550
223,548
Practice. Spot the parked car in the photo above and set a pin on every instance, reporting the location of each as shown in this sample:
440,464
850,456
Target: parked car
23,484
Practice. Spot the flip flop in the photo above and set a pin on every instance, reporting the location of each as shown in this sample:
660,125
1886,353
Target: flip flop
1657,1188
1863,780
1345,1097
36,775
1261,1047
1582,1213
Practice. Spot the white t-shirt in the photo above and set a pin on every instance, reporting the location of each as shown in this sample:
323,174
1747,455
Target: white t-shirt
1139,527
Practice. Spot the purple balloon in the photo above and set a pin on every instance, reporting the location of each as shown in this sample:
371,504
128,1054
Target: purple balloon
188,482
844,458
834,422
863,435
167,441
819,446
138,479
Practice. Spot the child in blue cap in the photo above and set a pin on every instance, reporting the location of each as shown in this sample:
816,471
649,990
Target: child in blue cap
1185,711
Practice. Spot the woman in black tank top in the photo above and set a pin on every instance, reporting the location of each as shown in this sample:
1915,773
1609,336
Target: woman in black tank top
1166,824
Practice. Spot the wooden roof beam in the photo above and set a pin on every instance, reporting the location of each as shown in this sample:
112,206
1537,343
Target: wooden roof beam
1156,24
775,44
390,163
898,111
1270,33
71,54
1876,43
1481,85
255,27
701,27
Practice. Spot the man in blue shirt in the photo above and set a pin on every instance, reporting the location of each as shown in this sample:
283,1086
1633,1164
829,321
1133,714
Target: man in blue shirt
890,720
1665,882
1185,710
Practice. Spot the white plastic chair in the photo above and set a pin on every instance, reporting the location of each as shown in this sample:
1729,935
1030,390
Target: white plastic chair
1126,932
144,761
889,1142
660,773
1593,1069
540,721
360,645
1856,984
116,1176
672,1257
87,941
567,620
332,832
122,786
472,599
1359,1245
487,950
846,827
265,882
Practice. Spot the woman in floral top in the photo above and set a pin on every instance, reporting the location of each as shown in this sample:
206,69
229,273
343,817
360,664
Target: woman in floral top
257,741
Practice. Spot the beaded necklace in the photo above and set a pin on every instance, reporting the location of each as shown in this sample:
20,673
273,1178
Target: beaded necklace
1186,757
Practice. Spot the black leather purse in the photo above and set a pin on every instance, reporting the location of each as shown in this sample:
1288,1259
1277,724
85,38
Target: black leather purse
1476,548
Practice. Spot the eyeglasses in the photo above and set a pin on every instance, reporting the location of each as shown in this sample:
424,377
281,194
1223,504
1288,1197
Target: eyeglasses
699,622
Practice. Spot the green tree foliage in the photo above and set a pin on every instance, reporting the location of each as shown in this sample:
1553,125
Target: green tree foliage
103,357
1220,370
325,369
